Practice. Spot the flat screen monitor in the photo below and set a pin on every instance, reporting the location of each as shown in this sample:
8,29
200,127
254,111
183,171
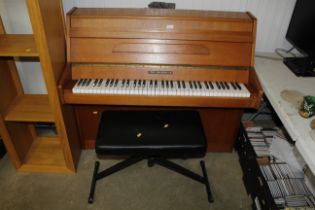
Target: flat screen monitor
301,34
301,31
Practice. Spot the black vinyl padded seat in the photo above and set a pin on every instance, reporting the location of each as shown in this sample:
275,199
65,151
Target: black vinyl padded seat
151,133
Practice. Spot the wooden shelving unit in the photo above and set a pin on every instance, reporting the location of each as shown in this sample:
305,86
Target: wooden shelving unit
19,112
21,45
30,108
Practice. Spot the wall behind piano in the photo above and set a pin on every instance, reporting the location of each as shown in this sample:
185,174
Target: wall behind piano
273,19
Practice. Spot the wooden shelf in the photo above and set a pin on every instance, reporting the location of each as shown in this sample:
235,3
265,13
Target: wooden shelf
18,45
45,155
28,149
30,108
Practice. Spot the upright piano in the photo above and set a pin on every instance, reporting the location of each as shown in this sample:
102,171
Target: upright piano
161,59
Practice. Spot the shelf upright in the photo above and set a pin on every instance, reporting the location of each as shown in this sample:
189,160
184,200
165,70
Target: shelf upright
19,112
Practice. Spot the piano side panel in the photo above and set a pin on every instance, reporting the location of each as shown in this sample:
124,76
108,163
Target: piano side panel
170,52
220,125
255,87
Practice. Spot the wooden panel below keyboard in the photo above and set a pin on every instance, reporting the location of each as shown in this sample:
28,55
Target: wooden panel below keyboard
220,125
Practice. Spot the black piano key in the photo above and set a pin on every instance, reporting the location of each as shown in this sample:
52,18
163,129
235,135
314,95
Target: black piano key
84,82
226,85
107,82
155,83
167,85
183,84
211,85
178,84
80,82
162,83
143,83
95,82
195,84
218,85
99,83
199,85
111,84
233,85
151,83
88,82
139,83
128,83
238,86
134,83
190,85
172,85
116,83
222,85
206,84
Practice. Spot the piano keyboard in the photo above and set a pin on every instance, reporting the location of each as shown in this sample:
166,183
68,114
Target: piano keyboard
160,88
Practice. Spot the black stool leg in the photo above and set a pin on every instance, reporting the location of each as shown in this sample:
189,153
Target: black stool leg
181,170
92,190
206,181
151,162
113,169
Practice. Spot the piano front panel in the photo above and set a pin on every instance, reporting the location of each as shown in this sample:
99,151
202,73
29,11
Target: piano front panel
215,30
157,72
170,52
160,24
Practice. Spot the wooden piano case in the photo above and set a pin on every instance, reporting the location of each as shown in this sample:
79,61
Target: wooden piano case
161,44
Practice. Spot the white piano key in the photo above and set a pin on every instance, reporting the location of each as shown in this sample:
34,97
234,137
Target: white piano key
155,88
246,93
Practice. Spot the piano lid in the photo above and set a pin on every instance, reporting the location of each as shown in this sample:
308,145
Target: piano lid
162,13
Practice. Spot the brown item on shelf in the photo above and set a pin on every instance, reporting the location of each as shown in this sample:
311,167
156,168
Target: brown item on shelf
313,124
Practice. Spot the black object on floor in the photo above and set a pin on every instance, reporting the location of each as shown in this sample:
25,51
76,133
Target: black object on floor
151,135
2,149
161,5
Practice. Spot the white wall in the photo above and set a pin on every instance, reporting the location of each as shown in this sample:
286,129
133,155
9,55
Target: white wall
273,18
15,18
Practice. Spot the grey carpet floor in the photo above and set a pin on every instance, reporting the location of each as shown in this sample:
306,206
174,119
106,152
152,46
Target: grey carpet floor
135,188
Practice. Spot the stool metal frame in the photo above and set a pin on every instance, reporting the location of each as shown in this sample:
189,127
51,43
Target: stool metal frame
151,162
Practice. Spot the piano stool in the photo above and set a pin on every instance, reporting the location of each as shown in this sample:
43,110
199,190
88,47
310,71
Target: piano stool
154,136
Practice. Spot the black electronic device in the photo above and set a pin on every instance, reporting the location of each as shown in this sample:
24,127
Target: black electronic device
301,34
161,5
